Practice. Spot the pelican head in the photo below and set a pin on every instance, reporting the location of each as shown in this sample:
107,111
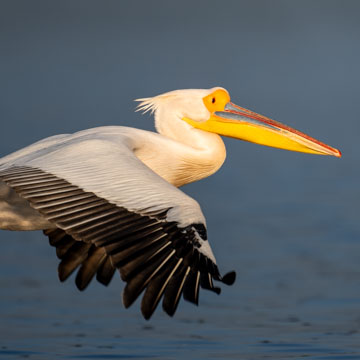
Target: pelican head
212,111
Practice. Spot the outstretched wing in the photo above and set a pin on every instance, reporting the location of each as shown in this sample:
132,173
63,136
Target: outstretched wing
118,214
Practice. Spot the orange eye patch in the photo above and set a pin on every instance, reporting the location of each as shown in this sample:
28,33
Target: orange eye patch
217,100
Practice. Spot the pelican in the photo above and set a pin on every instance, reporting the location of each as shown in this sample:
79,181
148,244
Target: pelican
108,197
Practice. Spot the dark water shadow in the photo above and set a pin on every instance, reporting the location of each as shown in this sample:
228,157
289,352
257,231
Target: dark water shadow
18,353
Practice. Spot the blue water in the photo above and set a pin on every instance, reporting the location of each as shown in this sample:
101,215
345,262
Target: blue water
287,223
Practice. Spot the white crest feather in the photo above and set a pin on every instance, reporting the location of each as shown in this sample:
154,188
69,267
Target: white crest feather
146,105
153,103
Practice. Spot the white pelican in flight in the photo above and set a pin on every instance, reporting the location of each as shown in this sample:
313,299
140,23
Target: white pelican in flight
108,197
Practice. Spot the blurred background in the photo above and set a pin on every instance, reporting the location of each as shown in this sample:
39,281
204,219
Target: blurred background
288,223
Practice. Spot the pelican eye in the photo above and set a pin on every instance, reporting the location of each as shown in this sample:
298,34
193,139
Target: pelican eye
213,100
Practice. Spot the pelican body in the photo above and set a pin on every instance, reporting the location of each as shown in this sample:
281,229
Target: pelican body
108,197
